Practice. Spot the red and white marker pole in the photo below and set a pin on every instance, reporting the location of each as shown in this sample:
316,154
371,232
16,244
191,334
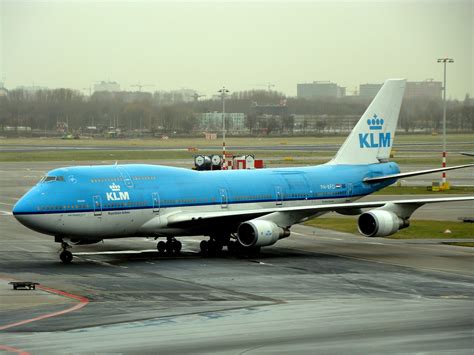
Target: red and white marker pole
223,93
224,166
443,179
444,184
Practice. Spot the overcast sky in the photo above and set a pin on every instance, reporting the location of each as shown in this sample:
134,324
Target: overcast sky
204,45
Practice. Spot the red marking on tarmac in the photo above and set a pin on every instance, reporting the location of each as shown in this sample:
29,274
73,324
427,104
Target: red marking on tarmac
13,350
83,301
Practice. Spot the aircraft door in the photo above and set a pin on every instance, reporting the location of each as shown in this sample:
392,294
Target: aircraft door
223,196
349,189
278,195
156,202
126,177
97,202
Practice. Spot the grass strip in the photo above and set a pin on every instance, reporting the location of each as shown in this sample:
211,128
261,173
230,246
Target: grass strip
94,155
280,157
423,190
253,141
461,244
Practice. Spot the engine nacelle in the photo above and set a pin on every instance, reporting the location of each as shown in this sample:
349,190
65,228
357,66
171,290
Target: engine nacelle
259,233
380,223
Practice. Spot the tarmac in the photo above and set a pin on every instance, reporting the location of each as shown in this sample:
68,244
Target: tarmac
318,291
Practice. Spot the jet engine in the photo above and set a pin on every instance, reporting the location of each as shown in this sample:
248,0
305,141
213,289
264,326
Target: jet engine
380,223
259,233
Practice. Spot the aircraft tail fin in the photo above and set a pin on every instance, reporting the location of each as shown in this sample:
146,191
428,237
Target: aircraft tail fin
371,139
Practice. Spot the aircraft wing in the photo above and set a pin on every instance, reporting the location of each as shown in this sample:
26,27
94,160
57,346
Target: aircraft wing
227,216
414,173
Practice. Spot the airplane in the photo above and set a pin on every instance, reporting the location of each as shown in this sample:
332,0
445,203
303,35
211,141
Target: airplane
243,210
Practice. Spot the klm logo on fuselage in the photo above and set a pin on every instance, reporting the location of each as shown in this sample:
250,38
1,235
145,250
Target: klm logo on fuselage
375,139
116,194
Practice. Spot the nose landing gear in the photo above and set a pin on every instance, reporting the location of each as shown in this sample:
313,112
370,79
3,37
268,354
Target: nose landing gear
65,255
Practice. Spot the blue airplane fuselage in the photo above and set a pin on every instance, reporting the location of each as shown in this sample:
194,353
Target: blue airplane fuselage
119,189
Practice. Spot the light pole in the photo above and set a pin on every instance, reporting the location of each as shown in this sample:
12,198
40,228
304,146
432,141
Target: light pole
444,184
223,93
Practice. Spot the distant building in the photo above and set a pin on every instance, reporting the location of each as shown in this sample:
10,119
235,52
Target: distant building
414,89
174,96
186,95
369,90
320,89
270,110
212,121
428,89
3,90
269,118
109,86
469,101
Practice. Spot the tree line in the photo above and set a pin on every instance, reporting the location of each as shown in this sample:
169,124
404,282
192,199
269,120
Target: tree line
44,109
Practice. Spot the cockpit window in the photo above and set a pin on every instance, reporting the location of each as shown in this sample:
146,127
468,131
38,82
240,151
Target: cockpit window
51,178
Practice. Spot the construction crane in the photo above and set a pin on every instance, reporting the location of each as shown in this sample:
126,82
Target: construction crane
268,85
140,86
196,96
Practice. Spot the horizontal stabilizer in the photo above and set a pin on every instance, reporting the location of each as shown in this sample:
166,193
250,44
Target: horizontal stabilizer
414,173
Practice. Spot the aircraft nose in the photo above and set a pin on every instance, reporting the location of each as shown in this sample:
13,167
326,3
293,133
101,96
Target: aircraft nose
24,212
28,203
19,207
24,206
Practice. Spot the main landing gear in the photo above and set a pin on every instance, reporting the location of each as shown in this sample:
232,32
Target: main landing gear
215,245
172,246
65,255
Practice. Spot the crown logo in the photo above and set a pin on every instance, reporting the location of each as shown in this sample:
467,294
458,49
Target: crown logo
375,123
114,187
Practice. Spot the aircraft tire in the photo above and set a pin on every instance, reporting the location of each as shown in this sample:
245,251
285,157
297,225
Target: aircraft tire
177,246
218,246
212,248
233,248
204,245
169,247
66,257
161,246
